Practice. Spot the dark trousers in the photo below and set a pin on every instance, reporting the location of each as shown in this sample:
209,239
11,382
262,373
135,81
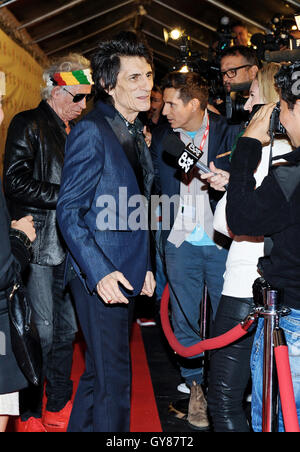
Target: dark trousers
102,402
230,368
54,316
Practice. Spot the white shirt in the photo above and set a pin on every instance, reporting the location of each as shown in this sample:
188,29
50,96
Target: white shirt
241,266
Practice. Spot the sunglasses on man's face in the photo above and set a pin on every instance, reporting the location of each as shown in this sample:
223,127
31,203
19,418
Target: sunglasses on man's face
79,97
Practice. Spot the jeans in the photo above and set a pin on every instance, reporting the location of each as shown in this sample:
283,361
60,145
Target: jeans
291,328
230,368
54,317
188,268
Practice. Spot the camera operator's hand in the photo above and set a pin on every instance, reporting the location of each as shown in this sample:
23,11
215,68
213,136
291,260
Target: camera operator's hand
260,123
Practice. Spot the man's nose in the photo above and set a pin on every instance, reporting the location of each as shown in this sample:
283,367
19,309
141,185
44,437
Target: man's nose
82,103
165,110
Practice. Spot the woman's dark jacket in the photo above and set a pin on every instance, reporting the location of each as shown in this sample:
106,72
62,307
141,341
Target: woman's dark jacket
34,156
14,257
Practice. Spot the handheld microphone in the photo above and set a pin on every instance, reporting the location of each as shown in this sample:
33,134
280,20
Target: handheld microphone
187,156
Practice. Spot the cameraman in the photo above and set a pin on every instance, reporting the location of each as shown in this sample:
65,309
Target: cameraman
241,33
275,212
239,66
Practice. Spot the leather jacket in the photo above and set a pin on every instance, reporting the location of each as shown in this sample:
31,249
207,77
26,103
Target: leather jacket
33,161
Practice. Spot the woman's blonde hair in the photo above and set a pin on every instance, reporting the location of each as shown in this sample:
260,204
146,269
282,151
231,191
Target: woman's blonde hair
266,82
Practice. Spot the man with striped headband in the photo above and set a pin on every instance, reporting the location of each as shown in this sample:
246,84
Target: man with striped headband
34,157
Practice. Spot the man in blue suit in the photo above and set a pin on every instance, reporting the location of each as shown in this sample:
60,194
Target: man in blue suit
107,159
195,255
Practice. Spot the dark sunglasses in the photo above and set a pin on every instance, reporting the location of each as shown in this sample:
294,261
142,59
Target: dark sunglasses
79,97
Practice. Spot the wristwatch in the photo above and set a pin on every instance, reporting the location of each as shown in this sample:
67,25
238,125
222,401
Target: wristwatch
21,236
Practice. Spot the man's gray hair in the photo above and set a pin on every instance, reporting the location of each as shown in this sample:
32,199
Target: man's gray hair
69,63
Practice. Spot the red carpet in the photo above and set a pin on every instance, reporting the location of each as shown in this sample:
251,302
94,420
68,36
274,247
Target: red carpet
144,414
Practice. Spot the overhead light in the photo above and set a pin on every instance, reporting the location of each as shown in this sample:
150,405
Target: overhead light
185,69
175,34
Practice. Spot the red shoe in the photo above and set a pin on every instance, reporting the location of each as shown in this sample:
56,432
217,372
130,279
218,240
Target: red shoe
33,424
58,420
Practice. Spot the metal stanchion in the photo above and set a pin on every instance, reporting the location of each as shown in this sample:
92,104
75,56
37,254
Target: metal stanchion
270,385
268,302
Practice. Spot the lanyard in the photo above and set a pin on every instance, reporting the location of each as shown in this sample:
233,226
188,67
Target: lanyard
205,135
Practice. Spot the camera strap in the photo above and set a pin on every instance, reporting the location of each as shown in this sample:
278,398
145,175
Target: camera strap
268,242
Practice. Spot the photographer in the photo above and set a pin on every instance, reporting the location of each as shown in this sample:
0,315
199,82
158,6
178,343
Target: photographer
230,366
241,33
274,213
239,64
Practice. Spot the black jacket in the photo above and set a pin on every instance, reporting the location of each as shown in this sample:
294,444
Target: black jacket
34,156
270,210
14,255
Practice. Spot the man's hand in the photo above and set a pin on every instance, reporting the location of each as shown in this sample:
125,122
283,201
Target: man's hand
217,178
260,123
25,225
108,288
149,285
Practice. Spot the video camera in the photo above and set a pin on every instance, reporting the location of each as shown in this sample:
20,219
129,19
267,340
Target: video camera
279,37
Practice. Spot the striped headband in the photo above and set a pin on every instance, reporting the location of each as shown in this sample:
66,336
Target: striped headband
82,77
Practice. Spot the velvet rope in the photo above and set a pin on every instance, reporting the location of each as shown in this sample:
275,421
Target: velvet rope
209,344
286,390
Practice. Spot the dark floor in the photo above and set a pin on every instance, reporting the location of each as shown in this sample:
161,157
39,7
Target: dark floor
165,379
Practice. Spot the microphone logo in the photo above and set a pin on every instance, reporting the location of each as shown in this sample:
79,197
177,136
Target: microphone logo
189,157
185,162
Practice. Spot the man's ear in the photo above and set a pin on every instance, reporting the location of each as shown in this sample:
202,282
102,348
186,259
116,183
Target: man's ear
253,70
56,91
109,91
195,103
297,106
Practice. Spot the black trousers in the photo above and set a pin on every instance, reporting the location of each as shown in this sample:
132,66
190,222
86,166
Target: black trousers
230,368
102,402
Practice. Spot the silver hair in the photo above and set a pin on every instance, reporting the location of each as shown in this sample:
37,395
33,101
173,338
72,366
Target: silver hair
69,63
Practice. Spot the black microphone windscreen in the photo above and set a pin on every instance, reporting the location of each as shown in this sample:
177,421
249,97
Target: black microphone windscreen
173,145
281,56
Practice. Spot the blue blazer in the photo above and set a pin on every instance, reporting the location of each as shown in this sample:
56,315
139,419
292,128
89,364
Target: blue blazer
221,139
95,168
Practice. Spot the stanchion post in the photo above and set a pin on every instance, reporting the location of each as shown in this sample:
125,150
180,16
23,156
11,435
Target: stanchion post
270,385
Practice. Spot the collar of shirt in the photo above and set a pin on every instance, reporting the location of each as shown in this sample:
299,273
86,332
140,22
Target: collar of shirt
135,128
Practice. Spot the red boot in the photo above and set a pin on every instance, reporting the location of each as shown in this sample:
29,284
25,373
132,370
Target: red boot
33,424
58,420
